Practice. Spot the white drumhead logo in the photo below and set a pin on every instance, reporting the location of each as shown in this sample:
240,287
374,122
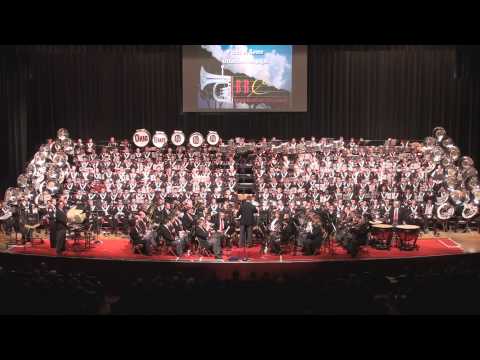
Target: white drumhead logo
160,139
141,138
178,138
213,138
196,139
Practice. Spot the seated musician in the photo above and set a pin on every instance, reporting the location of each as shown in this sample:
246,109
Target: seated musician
138,235
29,219
414,214
211,243
429,218
276,227
167,232
6,220
188,219
223,226
315,236
120,217
290,231
396,215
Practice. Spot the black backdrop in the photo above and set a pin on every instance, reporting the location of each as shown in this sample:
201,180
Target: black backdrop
373,92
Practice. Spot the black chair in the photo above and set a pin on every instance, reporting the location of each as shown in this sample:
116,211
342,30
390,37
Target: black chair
137,246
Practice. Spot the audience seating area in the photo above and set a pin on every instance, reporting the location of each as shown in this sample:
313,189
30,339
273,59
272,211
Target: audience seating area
435,288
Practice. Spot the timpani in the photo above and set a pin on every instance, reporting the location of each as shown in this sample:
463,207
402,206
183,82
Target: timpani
408,236
382,234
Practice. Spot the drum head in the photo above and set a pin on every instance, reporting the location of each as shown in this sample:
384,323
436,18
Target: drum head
383,226
408,227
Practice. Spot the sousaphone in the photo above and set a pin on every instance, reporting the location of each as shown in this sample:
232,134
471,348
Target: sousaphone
439,133
454,153
447,142
445,211
466,162
476,196
472,183
469,211
458,197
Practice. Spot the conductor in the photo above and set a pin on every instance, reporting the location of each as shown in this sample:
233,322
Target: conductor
60,227
247,220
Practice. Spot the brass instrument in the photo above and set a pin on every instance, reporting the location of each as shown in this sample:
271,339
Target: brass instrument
439,133
445,211
150,212
469,211
76,216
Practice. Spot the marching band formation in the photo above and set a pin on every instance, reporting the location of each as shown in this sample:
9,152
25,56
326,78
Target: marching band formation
187,196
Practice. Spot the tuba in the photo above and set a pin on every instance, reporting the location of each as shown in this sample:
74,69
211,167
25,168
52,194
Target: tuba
469,211
225,93
445,211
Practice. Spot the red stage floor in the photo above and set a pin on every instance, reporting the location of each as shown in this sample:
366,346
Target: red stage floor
120,249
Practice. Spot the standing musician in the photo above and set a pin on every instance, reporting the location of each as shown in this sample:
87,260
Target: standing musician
247,220
51,212
60,227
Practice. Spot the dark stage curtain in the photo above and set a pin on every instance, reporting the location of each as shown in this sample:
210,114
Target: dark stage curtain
374,92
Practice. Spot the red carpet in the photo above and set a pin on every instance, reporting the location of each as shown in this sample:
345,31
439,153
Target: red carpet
120,249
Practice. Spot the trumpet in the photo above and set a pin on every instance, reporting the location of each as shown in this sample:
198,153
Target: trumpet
225,93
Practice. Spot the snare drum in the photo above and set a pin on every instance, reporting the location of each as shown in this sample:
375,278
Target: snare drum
408,236
382,235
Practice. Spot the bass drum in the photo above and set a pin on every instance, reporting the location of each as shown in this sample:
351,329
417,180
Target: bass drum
76,216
